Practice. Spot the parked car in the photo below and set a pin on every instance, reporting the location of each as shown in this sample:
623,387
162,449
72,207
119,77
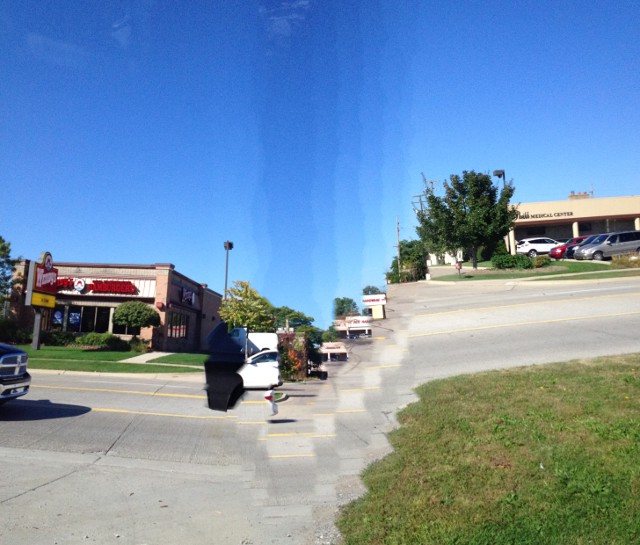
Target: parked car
262,370
569,253
534,246
14,377
559,251
610,244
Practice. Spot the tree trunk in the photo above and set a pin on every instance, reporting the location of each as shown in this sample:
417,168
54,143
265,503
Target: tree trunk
474,256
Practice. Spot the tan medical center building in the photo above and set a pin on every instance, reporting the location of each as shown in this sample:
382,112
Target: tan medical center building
88,294
580,214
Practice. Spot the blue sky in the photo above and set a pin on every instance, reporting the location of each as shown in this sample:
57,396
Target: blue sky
147,131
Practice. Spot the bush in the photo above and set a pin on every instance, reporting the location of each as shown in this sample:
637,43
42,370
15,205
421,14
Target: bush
11,333
104,341
57,338
138,345
627,261
508,261
541,261
93,339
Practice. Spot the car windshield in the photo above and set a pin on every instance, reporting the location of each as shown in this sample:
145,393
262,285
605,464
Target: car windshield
599,239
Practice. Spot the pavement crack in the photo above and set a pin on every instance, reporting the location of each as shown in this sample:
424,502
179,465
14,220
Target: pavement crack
106,452
33,489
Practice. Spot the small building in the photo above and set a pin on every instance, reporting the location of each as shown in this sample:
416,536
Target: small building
335,351
88,294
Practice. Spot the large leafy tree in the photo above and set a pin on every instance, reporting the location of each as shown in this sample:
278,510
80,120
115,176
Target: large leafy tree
294,318
136,314
413,262
344,306
245,307
472,213
7,266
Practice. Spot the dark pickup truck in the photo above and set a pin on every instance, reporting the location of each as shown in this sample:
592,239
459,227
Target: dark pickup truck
14,377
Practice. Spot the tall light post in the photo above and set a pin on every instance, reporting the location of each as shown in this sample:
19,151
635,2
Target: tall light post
501,174
228,245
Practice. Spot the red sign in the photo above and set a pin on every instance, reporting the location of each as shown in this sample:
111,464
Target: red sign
100,286
45,278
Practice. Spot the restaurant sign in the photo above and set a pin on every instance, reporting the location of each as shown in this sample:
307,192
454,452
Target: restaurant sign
42,282
97,286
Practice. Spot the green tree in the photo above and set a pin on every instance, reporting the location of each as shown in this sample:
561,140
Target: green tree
245,307
136,314
471,214
344,306
295,318
413,261
7,266
330,335
371,290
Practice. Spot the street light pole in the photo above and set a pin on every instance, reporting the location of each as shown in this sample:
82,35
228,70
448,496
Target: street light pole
228,245
501,174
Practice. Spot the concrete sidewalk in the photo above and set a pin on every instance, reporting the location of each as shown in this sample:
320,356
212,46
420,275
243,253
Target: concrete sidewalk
148,356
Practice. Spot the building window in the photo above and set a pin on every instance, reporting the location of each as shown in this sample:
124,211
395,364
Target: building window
536,231
584,227
125,330
177,325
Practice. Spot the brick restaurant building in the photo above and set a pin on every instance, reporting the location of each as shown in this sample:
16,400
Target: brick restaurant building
89,293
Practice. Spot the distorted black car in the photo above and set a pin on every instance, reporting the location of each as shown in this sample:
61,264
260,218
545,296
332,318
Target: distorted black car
15,379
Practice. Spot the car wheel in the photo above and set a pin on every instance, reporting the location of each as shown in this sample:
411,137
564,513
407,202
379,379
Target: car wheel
598,256
532,253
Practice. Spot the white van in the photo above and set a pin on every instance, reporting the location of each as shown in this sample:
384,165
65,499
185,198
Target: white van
610,244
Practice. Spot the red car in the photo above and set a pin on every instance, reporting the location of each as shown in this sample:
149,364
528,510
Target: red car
558,251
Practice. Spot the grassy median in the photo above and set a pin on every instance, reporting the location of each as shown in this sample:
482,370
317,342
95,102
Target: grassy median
546,454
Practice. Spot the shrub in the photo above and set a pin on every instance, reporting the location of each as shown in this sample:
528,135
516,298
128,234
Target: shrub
58,338
93,339
627,261
11,333
541,261
138,345
104,341
508,261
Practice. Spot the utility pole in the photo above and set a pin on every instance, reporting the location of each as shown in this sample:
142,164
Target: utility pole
398,241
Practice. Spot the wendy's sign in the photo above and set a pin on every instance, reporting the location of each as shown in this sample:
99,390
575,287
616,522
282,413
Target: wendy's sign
42,283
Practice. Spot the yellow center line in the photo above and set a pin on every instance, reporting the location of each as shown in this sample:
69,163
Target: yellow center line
111,391
518,324
145,413
515,305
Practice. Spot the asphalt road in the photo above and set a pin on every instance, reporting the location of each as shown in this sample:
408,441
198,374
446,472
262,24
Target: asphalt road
140,460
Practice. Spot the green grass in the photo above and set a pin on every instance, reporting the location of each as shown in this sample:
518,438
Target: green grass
618,273
555,268
106,366
77,359
545,454
182,359
65,353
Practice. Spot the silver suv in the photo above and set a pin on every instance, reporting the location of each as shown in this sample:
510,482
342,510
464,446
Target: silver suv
610,244
534,246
